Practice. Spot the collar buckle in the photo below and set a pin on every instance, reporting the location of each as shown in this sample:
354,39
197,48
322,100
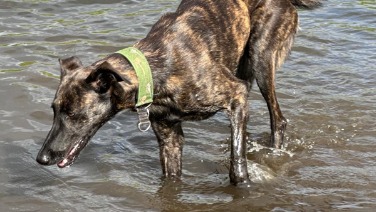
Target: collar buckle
143,118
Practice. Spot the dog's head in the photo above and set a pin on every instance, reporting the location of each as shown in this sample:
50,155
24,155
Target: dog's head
86,98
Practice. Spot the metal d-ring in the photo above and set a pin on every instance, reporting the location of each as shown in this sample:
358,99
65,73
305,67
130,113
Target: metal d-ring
143,118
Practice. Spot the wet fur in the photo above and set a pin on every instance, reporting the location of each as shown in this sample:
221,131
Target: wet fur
204,58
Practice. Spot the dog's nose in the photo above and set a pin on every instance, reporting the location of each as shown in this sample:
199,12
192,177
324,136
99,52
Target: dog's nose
44,158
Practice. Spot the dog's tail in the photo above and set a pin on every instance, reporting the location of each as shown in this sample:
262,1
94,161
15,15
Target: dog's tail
307,4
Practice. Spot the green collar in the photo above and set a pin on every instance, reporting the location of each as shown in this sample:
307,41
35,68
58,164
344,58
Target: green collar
143,72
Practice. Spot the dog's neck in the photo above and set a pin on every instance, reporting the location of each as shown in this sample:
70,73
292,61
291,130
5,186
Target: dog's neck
126,70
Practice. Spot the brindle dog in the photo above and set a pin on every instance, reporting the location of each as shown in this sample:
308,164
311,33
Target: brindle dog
204,58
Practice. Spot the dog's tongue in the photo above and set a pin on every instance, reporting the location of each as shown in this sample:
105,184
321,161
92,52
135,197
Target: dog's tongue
63,163
68,160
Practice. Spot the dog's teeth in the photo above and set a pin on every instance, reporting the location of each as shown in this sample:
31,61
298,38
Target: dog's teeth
74,149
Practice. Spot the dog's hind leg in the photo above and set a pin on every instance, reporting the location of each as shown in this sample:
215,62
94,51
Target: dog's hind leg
271,37
171,139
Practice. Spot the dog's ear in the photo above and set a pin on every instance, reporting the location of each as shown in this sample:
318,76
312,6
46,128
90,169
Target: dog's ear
69,64
103,76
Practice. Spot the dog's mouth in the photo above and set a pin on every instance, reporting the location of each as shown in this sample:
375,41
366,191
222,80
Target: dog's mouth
71,154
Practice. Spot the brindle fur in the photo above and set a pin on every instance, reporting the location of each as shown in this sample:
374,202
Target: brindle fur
204,58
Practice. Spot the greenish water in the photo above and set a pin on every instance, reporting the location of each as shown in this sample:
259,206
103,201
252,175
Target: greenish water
326,89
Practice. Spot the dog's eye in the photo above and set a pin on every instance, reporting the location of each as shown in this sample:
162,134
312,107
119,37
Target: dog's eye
70,114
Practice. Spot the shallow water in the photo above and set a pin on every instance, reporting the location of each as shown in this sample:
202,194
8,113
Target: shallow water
326,89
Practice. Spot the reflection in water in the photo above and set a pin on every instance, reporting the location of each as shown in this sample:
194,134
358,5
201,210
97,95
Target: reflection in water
326,90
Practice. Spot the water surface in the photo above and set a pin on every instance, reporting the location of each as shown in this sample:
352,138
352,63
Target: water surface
326,89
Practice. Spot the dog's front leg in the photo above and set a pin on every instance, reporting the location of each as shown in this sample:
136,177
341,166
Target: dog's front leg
171,139
239,117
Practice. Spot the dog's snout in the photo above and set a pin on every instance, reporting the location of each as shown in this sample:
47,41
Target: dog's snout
44,158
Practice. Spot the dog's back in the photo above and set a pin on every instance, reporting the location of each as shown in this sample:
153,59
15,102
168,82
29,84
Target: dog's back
201,34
